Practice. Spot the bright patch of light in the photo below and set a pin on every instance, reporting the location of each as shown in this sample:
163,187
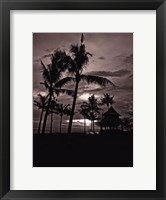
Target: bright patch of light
81,122
85,96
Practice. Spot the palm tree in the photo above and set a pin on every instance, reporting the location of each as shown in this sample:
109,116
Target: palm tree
41,104
84,112
92,109
52,74
107,100
52,110
76,63
62,110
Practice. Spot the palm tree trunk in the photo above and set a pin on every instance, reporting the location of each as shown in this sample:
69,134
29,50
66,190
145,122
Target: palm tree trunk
84,126
51,123
73,108
93,126
41,116
60,124
45,117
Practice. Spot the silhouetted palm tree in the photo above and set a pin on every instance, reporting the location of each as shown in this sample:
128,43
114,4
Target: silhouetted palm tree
62,110
77,62
52,75
52,110
93,110
41,104
84,112
107,100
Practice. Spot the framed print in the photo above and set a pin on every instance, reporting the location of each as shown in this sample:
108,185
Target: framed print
82,99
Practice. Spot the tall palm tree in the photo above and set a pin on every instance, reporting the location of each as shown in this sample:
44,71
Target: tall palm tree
41,104
76,62
62,110
107,100
93,110
52,75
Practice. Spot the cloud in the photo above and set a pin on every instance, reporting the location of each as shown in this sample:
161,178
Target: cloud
101,58
50,49
129,59
36,92
124,59
117,73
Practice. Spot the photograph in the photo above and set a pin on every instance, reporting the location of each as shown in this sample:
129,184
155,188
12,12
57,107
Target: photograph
82,99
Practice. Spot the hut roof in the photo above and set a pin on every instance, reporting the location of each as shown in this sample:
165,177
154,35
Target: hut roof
111,112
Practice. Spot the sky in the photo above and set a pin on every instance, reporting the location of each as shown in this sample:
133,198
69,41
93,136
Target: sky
112,58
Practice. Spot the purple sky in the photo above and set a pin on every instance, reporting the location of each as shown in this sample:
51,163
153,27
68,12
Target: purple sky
112,58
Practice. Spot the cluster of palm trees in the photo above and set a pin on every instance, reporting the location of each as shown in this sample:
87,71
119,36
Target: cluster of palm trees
91,109
52,107
54,81
109,118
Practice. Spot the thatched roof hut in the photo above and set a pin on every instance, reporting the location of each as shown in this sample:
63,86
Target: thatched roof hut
111,112
111,118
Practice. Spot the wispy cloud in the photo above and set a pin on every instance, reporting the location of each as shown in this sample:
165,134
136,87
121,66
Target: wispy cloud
50,49
36,92
101,58
117,73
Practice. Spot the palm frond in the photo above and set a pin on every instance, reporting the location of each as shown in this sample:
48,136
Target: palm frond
96,80
43,66
71,66
45,72
82,38
45,84
74,49
60,60
89,54
64,81
37,104
42,102
59,91
107,100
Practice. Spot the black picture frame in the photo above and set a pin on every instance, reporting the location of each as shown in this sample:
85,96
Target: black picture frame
5,7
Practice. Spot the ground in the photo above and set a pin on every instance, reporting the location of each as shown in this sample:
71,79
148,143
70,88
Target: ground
111,149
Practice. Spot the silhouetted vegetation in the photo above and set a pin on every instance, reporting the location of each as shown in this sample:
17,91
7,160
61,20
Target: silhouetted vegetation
52,74
62,110
91,111
52,106
107,100
77,61
41,104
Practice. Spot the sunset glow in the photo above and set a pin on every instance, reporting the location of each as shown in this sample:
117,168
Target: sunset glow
81,122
